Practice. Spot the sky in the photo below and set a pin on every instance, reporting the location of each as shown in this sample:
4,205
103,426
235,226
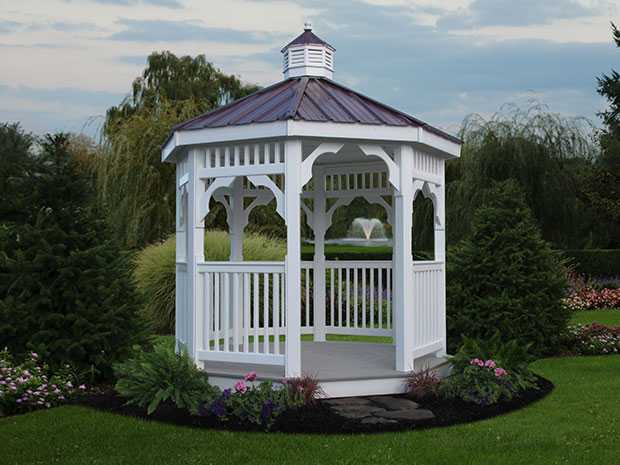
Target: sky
64,62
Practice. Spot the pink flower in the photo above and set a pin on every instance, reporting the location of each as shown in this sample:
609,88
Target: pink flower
34,355
477,362
490,364
240,386
82,387
499,372
251,376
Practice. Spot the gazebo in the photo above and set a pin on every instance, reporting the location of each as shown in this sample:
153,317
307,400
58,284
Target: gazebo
312,145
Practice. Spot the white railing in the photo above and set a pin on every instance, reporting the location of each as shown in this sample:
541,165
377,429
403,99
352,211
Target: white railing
242,315
429,307
307,298
359,298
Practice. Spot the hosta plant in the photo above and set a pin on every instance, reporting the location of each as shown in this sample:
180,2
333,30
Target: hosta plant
159,375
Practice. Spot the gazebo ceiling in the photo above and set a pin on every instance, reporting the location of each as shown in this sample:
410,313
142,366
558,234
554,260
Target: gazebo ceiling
307,98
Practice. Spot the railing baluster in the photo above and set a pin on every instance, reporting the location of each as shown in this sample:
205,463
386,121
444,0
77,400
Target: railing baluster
207,315
236,311
226,315
380,298
307,303
246,312
372,297
389,298
276,312
339,296
331,297
348,287
216,311
363,297
355,298
255,299
265,313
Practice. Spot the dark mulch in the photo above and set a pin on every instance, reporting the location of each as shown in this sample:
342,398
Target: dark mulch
320,418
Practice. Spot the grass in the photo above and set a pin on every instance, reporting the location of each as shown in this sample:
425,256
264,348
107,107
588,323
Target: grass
576,424
606,317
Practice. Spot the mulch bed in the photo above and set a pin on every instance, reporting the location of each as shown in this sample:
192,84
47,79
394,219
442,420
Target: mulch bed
321,418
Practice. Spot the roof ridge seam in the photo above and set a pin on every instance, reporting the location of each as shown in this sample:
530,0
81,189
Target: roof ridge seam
298,97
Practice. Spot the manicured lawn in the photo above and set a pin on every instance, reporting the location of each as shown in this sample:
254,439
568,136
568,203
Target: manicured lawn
607,317
579,423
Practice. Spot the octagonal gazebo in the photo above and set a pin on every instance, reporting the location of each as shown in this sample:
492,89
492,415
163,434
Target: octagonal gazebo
312,145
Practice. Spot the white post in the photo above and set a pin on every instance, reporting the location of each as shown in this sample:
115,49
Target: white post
440,256
402,260
236,221
319,228
195,254
292,181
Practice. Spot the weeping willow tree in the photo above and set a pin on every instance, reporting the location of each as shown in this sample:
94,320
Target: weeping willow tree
136,187
542,151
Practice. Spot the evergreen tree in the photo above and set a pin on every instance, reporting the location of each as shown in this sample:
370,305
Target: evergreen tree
66,289
601,185
504,277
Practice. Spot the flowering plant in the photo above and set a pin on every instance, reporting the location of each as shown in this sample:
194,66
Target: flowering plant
260,403
589,298
594,339
29,385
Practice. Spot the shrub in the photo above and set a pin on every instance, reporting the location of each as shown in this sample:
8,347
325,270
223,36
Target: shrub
423,385
594,339
151,377
304,390
262,403
595,262
486,372
29,385
65,286
155,270
505,278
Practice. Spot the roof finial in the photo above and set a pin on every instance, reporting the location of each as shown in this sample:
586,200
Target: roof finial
307,26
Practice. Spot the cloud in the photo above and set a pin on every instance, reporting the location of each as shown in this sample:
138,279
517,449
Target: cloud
8,26
163,3
178,31
488,13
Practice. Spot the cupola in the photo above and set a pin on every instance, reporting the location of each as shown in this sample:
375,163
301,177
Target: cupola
308,55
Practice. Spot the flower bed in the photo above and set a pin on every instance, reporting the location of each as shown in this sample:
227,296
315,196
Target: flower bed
29,385
594,339
589,298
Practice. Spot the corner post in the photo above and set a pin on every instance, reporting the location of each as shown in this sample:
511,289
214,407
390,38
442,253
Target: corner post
318,276
440,255
402,260
292,265
195,254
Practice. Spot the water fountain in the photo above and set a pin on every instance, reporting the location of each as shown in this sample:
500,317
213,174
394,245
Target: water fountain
365,232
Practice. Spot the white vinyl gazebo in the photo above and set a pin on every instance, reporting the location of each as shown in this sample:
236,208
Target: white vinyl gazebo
313,146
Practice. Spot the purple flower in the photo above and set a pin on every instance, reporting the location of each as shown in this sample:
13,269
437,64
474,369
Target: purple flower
226,393
218,409
266,410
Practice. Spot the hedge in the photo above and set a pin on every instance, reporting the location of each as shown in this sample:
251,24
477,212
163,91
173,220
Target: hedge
595,262
361,253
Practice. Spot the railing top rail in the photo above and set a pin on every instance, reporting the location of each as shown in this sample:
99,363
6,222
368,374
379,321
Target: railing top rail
241,267
358,263
427,265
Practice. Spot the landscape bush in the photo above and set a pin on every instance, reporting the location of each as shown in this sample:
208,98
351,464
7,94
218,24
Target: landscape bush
155,271
151,377
504,277
423,385
595,262
29,385
66,289
487,372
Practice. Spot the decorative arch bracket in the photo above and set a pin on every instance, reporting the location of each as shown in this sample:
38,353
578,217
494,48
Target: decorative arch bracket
265,181
329,214
393,168
435,193
306,165
263,198
204,200
379,200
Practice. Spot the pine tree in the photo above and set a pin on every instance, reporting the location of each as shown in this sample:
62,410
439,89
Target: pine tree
66,290
505,277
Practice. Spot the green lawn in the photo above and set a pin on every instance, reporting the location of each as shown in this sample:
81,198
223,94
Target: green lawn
579,423
607,317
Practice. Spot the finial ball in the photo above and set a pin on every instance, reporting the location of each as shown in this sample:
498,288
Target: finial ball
307,26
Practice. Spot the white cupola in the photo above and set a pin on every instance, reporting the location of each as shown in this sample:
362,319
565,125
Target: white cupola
307,55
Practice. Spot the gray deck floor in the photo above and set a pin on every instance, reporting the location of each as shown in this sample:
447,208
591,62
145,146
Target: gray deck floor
327,361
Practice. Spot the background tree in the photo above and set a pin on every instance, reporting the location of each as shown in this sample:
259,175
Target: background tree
131,177
505,278
601,184
66,290
541,151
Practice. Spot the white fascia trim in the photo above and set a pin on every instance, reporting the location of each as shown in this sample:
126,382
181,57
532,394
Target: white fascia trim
292,128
